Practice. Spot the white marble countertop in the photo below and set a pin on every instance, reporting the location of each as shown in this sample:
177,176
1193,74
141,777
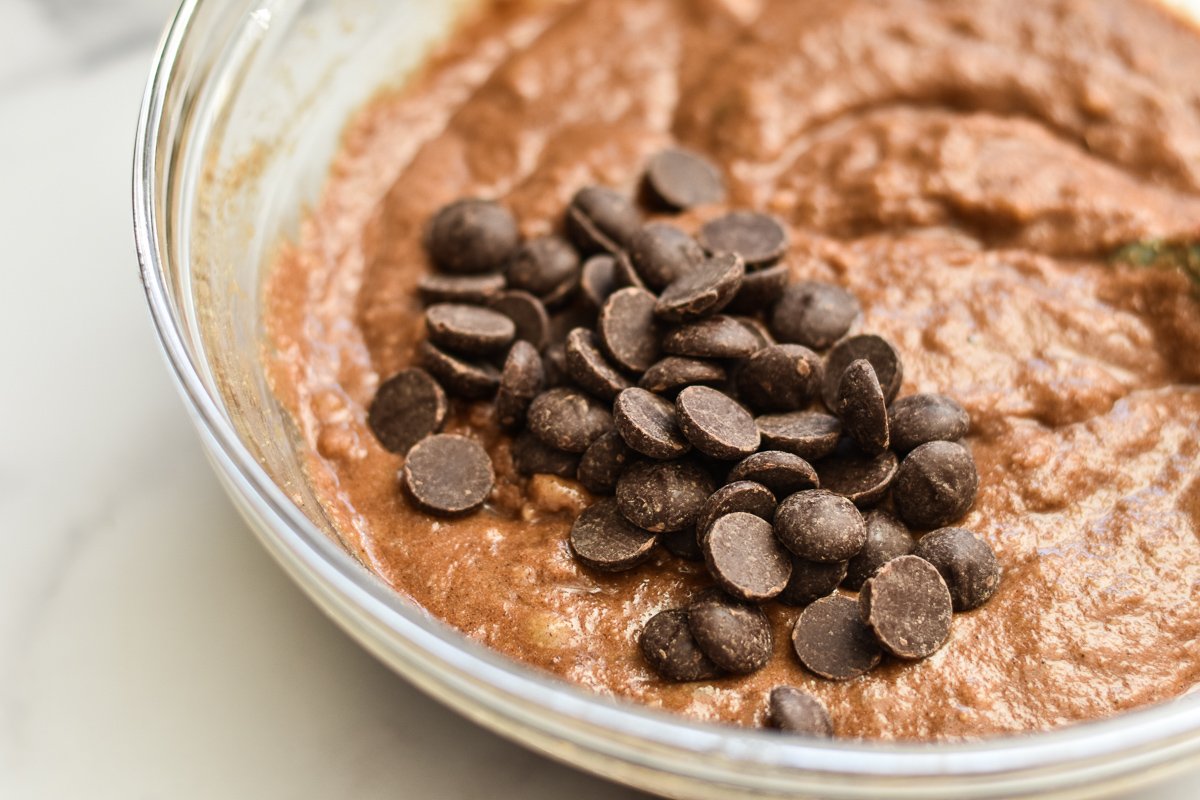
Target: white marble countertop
148,646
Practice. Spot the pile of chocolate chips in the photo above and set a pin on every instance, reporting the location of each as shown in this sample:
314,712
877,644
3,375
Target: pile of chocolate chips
719,410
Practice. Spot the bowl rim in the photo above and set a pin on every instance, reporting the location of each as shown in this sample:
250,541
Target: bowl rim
1136,739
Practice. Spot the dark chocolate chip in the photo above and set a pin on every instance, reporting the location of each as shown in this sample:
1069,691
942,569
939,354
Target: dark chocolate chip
811,580
814,314
407,407
921,418
819,525
448,474
663,496
649,424
887,538
782,473
604,540
745,558
794,711
528,314
760,289
600,219
864,480
522,379
682,544
756,327
715,337
862,408
598,280
676,372
468,330
907,606
568,420
474,289
716,424
603,462
588,367
679,179
879,351
474,381
470,236
760,239
705,290
624,275
935,485
832,641
542,265
781,377
554,360
532,456
808,434
628,330
667,645
748,496
736,636
966,563
662,254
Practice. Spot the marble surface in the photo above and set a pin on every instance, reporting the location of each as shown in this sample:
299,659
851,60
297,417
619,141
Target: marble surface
148,646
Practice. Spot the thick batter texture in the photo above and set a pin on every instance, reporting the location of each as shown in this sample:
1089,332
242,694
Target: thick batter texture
965,168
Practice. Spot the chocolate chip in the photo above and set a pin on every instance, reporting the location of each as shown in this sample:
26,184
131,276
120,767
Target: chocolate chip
473,289
907,606
883,357
662,254
782,473
921,418
532,456
755,326
935,485
682,544
862,408
603,462
887,538
736,636
675,372
814,314
470,236
598,279
468,330
624,275
748,496
649,424
474,381
745,558
600,219
663,496
407,407
542,265
667,645
705,290
811,580
588,367
528,315
808,434
604,540
679,179
522,379
448,474
832,641
760,289
716,424
863,480
781,377
819,525
554,360
966,563
568,420
759,239
628,330
794,711
715,337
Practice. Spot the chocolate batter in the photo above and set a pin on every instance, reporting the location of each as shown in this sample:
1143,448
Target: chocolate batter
964,169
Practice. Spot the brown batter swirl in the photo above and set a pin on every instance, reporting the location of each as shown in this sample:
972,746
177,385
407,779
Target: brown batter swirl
964,169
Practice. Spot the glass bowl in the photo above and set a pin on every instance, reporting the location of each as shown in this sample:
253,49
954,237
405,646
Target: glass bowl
238,126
